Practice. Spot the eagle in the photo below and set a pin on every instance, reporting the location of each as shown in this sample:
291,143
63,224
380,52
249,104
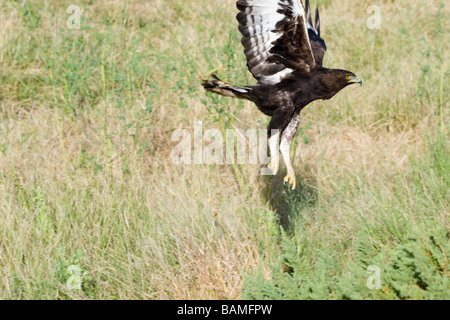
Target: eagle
284,52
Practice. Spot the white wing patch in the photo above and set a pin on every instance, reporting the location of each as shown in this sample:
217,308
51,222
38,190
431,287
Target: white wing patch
279,76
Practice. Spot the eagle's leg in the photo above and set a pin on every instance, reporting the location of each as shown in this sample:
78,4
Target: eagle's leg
274,153
286,140
279,120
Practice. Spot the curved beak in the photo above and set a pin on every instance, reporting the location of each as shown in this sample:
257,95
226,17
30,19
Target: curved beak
353,80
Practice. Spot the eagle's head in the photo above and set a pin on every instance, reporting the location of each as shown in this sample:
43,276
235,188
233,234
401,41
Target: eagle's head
344,78
350,78
334,80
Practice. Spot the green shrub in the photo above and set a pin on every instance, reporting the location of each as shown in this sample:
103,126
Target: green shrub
417,269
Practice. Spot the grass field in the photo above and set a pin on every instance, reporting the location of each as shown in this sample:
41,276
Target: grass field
92,207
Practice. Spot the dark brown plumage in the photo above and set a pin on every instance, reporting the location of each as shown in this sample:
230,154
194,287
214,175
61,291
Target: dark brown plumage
284,53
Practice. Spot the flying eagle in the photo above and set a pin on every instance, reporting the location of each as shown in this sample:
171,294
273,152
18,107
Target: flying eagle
284,53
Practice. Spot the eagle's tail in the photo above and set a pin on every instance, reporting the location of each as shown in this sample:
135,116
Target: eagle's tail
216,85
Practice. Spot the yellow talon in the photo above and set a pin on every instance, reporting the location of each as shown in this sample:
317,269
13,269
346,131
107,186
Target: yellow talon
274,165
290,180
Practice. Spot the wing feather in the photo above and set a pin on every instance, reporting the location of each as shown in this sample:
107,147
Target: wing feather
275,38
317,44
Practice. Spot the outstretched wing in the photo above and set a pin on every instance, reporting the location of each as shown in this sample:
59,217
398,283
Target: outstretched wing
317,44
275,38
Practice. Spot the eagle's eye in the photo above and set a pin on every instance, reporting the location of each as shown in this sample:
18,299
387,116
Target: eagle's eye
348,77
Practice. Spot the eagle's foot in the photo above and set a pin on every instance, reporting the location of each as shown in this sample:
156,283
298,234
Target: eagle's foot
290,181
274,165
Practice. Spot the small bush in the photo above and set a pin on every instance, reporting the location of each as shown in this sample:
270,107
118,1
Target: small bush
417,269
